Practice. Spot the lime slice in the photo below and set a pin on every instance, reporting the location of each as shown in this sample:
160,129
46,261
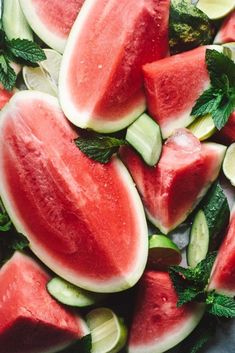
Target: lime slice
45,77
229,50
216,9
162,252
70,294
229,164
203,127
108,332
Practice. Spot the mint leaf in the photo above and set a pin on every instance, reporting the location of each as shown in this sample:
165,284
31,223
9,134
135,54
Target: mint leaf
218,65
7,74
224,110
26,50
99,148
207,102
5,222
203,270
220,305
19,242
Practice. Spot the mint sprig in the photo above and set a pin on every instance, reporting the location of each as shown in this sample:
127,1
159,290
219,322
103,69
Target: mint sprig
220,305
19,51
219,99
5,222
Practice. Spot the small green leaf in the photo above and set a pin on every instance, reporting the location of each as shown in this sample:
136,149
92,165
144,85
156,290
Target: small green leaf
99,148
208,102
220,305
218,65
19,242
7,74
26,50
222,113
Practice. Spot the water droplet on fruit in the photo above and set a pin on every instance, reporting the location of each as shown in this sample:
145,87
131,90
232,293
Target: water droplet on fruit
164,299
100,66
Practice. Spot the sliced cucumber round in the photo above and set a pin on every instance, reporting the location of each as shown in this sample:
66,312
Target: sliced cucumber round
145,136
199,240
69,294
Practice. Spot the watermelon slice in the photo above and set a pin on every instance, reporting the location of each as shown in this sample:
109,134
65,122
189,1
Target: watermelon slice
101,82
31,320
5,96
84,220
226,33
158,323
172,189
228,131
172,86
52,20
223,273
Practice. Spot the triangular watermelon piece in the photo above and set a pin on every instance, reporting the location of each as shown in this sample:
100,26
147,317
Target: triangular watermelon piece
223,273
172,87
31,320
173,188
226,33
158,324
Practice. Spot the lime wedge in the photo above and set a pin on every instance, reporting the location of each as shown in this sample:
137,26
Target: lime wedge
229,50
108,332
216,9
203,127
70,294
162,252
229,164
45,77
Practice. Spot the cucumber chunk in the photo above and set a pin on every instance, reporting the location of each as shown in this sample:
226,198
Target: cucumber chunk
145,136
69,294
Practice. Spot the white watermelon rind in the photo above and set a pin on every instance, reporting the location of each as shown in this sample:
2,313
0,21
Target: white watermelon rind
48,36
115,284
171,338
88,119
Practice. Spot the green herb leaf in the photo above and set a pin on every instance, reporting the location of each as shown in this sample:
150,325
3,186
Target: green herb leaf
19,242
222,113
7,74
220,305
99,148
207,102
82,346
5,222
26,50
219,65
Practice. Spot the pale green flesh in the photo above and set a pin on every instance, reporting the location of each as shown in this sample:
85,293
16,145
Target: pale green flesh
145,136
199,240
69,294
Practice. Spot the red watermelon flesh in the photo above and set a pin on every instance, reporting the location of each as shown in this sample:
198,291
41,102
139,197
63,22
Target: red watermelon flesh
228,131
101,81
158,324
173,85
223,273
84,220
52,20
5,96
226,33
31,320
172,189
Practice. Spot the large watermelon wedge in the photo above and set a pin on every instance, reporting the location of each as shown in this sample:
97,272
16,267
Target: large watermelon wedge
101,82
172,189
223,272
158,324
31,320
52,20
172,87
226,33
84,220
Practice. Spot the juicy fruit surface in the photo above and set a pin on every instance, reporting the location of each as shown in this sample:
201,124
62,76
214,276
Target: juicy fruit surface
31,321
70,208
228,131
106,93
184,173
226,33
223,274
164,325
5,96
173,85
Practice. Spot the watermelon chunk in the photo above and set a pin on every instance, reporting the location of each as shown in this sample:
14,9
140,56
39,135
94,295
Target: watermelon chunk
52,20
5,96
158,324
223,272
226,33
84,220
101,81
31,320
172,189
173,85
228,131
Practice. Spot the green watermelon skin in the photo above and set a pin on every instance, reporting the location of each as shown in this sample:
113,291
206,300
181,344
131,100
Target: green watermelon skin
158,324
31,320
52,20
82,218
173,85
226,33
101,81
173,188
223,274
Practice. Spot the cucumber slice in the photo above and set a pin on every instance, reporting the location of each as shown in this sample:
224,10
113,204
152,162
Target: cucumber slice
69,294
14,21
229,50
199,240
108,332
216,9
145,136
229,165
